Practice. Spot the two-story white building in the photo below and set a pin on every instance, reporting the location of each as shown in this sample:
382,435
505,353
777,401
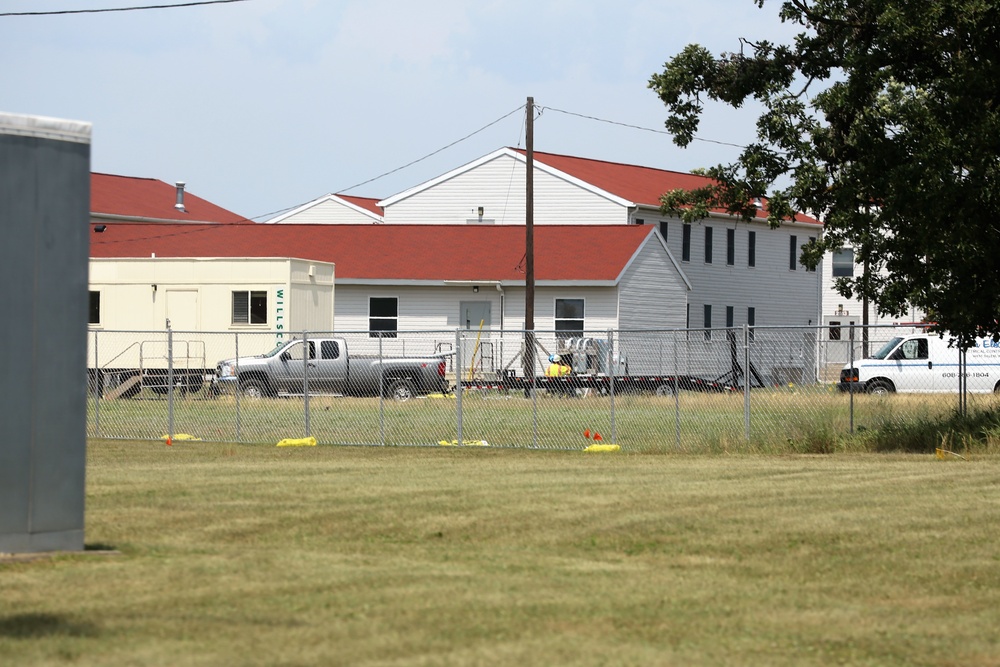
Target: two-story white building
740,273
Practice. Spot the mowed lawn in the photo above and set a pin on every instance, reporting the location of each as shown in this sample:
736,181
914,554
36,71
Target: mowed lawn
253,555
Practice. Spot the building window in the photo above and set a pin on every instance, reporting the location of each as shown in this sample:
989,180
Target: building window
663,229
843,263
834,330
793,245
730,246
729,317
383,316
751,319
708,245
95,308
569,318
249,307
708,322
686,243
640,221
752,249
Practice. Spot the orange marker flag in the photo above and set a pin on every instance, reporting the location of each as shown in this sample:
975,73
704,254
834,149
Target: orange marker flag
597,436
586,434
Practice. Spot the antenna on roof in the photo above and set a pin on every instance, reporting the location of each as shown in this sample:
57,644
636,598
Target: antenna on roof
180,197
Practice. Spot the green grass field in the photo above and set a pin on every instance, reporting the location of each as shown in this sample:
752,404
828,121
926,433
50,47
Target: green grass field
258,555
783,420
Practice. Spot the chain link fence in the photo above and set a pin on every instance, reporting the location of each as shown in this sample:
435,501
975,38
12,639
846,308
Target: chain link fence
672,390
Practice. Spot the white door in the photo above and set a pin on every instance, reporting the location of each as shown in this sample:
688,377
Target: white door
477,350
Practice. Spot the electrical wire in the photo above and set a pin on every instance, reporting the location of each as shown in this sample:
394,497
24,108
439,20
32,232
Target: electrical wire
637,127
121,9
429,155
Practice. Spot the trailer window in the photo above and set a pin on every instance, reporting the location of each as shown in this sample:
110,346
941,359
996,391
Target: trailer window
95,308
383,316
569,318
249,307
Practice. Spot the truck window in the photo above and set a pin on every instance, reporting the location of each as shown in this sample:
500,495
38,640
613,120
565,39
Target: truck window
887,348
296,351
915,348
329,349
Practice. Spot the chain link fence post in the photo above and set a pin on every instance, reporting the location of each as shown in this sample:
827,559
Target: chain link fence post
611,373
98,386
305,379
236,390
381,392
458,385
170,382
746,380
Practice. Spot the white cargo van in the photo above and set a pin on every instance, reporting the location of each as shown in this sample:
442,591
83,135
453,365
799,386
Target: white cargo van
924,363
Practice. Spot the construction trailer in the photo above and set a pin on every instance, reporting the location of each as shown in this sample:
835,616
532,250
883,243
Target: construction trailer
175,318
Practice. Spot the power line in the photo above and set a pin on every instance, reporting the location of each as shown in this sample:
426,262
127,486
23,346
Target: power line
637,127
429,155
121,9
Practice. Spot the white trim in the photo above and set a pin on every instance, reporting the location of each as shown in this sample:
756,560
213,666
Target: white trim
321,200
506,152
43,127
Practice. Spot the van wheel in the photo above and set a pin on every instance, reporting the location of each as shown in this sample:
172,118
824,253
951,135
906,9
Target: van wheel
879,388
996,389
400,391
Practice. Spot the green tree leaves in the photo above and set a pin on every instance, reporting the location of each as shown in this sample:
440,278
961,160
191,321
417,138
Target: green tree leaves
883,119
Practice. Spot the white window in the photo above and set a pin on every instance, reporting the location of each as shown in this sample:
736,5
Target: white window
249,307
569,318
383,316
843,263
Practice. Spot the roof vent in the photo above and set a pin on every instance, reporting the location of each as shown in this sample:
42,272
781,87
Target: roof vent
180,197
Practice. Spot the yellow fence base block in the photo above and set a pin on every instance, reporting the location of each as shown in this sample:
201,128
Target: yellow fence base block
297,442
944,453
464,443
602,448
180,436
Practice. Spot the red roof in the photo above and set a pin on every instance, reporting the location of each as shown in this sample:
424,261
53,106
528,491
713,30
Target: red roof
151,199
589,253
639,185
367,203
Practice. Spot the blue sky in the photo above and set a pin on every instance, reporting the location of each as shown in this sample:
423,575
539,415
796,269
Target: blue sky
266,104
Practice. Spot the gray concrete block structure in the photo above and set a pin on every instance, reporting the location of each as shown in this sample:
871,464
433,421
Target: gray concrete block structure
44,213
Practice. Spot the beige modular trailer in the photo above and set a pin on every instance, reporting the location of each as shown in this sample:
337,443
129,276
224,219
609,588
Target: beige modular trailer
205,302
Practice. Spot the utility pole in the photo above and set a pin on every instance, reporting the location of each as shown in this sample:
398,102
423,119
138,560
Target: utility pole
529,242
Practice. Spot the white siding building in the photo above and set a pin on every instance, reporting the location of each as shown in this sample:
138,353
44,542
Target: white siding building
395,278
740,273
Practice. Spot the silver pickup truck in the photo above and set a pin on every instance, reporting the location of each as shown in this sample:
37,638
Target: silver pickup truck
324,365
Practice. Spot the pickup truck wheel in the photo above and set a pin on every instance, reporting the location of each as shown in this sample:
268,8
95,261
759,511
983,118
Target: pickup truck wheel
996,389
879,388
254,389
401,390
665,390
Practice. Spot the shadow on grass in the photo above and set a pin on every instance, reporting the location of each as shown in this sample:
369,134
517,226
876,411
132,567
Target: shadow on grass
31,626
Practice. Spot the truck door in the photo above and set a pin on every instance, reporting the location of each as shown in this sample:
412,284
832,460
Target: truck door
331,367
289,367
911,369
